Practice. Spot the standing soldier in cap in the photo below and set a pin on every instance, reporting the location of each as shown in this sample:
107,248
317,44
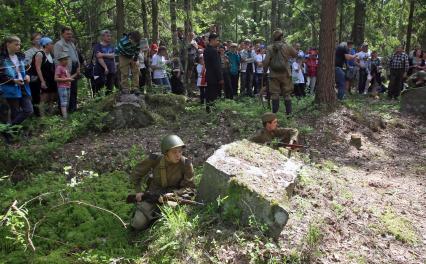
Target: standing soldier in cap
277,56
170,172
271,131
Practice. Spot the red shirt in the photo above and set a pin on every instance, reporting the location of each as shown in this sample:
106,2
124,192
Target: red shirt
62,72
312,64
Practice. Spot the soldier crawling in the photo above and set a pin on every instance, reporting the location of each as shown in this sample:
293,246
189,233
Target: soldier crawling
271,131
171,172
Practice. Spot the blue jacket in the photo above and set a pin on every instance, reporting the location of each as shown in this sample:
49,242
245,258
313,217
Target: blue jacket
8,73
234,60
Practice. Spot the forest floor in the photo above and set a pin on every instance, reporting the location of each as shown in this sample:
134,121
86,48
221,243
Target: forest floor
351,205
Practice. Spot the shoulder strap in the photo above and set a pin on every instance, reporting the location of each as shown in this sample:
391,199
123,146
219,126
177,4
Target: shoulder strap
163,173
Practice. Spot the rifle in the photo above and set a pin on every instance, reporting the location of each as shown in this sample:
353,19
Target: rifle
154,198
286,145
263,92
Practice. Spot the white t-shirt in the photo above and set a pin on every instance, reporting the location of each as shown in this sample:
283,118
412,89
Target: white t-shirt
259,59
363,56
141,59
159,61
199,74
14,59
297,73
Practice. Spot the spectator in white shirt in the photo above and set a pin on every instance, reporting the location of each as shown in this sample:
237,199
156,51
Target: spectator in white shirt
159,65
298,77
362,64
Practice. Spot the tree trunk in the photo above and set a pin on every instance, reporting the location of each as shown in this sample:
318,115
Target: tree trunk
254,15
341,13
274,15
154,16
410,27
120,18
187,6
325,94
173,27
359,22
144,15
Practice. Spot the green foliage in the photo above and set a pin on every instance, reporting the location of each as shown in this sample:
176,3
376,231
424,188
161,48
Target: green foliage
313,236
71,225
53,132
136,154
398,226
171,235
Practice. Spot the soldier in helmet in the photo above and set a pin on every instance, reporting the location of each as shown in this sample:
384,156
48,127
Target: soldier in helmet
271,131
170,172
277,57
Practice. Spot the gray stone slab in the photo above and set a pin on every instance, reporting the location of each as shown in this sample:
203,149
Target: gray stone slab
255,183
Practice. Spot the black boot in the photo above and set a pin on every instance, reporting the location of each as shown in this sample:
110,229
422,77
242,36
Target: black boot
275,105
287,106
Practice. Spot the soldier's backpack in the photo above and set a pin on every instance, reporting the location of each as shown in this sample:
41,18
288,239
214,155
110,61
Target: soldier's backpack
279,62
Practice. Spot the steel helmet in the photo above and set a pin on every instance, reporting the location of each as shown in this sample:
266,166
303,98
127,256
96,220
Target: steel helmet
169,142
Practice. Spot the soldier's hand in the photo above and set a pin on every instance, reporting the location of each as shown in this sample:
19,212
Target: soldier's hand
139,197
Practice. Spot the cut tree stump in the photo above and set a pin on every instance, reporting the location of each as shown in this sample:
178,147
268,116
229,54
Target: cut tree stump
356,141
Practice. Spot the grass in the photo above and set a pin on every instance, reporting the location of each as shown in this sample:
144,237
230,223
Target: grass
398,226
73,233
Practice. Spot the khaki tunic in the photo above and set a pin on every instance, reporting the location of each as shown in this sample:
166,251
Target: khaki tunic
286,135
280,82
177,176
180,175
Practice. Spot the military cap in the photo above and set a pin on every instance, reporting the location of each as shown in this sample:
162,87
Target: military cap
268,117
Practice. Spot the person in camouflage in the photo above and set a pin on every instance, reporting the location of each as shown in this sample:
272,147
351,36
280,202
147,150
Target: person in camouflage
276,60
271,131
170,172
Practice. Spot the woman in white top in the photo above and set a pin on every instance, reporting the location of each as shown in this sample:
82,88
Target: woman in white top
201,79
158,65
298,78
259,58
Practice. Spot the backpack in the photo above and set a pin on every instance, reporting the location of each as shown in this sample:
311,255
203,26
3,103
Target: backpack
279,62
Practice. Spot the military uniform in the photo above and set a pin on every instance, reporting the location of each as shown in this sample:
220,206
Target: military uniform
280,80
285,135
162,177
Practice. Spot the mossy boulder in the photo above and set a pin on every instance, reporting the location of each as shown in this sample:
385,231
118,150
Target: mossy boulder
127,111
413,100
137,111
254,181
